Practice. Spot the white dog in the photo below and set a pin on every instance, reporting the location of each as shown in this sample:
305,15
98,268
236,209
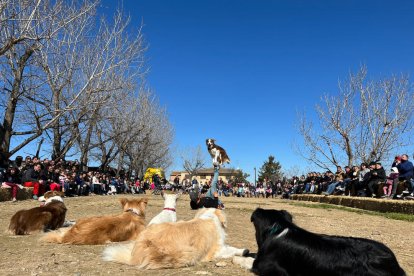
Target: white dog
168,214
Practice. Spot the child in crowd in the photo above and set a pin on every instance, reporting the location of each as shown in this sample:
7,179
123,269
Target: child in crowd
391,178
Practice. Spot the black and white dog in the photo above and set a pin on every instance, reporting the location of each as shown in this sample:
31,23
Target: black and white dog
286,249
218,154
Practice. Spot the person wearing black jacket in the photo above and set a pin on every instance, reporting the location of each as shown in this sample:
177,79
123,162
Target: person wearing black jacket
52,179
12,179
33,178
377,176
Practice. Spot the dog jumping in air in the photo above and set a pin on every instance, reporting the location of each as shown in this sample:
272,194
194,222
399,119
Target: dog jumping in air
218,154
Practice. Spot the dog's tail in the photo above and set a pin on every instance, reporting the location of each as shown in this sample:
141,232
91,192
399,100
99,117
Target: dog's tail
225,158
54,236
118,253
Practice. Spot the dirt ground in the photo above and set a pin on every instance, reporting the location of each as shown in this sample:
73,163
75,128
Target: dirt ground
25,255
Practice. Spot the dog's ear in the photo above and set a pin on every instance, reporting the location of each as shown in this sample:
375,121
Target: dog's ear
286,215
143,203
123,201
255,214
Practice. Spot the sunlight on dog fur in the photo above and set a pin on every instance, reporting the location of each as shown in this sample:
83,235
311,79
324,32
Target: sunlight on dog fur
104,229
180,244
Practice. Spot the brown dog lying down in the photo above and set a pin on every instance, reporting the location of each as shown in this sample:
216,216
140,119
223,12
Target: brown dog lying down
50,216
104,229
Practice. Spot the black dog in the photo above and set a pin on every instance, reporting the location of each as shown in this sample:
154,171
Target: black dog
286,249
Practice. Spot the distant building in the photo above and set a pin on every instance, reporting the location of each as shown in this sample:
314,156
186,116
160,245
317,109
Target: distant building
204,175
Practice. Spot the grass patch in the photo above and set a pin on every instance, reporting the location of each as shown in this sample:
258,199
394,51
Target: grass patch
396,216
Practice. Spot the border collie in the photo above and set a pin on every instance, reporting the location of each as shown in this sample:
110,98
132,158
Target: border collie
286,249
218,154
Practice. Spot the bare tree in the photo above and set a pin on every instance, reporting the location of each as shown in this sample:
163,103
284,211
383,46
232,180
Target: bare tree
193,160
25,27
151,136
112,63
367,121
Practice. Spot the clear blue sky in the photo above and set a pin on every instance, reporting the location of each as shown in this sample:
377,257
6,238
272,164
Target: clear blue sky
239,71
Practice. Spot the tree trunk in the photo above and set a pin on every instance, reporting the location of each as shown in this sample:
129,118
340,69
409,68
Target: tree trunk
7,129
57,136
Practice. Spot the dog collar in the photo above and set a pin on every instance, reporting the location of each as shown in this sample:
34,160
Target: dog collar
133,211
276,229
170,209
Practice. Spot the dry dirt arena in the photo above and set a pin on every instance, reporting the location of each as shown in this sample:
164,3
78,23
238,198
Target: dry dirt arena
25,255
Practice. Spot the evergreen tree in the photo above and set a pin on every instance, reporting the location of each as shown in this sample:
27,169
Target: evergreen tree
240,177
271,170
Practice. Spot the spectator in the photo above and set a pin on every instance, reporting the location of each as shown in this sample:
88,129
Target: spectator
260,191
397,160
325,181
33,178
339,177
405,168
392,180
353,185
12,179
347,179
96,184
377,175
52,179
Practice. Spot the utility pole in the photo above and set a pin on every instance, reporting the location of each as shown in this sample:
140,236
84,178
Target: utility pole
255,176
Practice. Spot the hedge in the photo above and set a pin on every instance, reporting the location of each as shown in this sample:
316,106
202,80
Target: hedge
372,204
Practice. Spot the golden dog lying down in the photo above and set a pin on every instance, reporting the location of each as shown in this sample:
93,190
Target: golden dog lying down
180,244
104,229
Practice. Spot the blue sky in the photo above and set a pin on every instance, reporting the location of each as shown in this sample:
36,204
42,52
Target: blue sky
239,71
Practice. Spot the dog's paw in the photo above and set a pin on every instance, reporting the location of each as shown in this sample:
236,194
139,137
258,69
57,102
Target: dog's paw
246,252
244,262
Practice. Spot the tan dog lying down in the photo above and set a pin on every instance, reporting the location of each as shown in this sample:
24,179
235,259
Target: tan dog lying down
104,229
180,244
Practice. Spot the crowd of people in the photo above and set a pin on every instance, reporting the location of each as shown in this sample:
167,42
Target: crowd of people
67,176
367,180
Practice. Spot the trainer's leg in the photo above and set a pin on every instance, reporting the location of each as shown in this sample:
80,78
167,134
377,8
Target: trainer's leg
212,191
